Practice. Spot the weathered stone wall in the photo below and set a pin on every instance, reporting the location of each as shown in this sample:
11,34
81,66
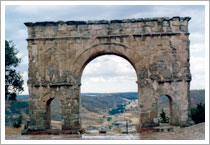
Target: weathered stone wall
158,49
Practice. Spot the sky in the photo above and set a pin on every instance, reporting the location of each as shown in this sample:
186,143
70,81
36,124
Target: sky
107,73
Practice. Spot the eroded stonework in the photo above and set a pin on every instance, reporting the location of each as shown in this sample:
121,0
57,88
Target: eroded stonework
158,49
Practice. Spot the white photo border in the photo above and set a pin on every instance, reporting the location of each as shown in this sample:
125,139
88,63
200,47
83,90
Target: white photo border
4,3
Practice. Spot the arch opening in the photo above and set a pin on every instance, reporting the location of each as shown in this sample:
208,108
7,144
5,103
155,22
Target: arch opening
54,114
109,98
164,108
100,53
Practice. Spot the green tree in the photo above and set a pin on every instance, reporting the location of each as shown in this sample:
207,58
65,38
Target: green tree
109,118
13,80
17,123
164,118
198,113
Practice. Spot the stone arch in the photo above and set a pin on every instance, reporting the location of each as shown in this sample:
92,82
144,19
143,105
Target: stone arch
102,53
46,100
170,106
49,111
102,49
71,45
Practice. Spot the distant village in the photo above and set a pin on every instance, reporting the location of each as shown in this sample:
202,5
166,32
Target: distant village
116,123
122,125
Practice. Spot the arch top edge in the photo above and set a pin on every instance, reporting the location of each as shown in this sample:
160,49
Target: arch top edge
108,43
88,55
169,96
102,51
98,22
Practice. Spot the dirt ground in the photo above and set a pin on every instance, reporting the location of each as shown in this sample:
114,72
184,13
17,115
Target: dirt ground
195,132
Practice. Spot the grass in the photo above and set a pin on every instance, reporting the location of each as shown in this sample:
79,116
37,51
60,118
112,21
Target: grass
10,131
56,124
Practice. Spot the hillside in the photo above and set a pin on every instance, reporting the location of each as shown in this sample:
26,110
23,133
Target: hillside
197,96
94,104
13,111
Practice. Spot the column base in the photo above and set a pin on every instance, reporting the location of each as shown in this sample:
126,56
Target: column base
43,131
183,124
146,127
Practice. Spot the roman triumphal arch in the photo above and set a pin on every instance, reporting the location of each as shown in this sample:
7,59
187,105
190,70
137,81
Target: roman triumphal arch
158,49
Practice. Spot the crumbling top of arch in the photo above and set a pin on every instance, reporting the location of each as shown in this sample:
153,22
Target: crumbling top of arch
107,29
158,19
158,48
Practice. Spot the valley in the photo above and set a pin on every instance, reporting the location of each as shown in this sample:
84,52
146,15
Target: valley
98,111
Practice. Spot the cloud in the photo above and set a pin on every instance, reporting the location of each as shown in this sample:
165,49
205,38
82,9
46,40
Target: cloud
109,73
198,72
197,37
16,15
107,85
197,47
25,78
197,44
108,66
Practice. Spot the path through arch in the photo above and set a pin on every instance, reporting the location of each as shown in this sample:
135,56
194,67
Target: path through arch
102,78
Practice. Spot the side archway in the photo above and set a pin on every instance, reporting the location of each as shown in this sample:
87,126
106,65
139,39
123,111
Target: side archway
165,103
54,113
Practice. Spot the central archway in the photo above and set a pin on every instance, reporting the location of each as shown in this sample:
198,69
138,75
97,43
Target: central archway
113,98
109,48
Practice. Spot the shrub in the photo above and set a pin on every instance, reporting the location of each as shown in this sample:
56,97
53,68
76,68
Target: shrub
119,109
164,118
109,118
17,123
198,113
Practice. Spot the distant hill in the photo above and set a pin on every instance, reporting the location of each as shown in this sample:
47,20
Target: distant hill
92,102
22,96
197,96
13,110
96,102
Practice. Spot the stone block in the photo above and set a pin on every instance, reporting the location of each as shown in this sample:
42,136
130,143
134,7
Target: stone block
145,115
184,28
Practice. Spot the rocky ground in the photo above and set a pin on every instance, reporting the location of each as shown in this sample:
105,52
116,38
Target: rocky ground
195,132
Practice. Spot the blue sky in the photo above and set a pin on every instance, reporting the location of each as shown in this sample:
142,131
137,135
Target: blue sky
118,75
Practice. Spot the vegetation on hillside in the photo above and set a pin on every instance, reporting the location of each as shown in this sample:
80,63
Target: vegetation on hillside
198,113
119,109
18,122
95,103
13,80
163,117
14,109
197,96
